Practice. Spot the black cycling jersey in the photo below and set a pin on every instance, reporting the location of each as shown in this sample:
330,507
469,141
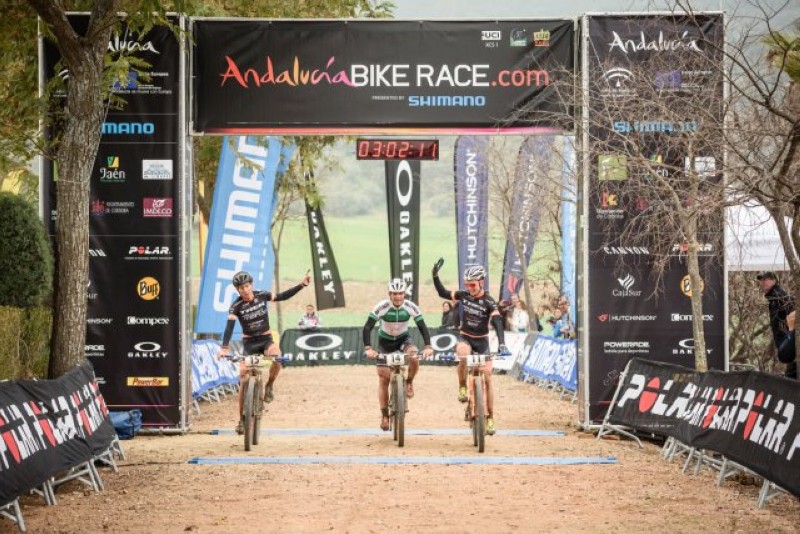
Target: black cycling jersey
253,315
475,313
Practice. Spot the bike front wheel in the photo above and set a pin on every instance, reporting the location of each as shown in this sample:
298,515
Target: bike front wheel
479,423
258,411
400,411
248,415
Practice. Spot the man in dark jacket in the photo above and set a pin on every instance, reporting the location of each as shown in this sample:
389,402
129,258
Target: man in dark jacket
781,304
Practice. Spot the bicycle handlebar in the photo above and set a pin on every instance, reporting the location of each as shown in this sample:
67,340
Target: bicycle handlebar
238,358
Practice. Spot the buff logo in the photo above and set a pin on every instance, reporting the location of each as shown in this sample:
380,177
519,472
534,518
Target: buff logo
148,288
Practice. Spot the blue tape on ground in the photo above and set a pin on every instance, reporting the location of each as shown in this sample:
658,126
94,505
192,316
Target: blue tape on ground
398,460
377,432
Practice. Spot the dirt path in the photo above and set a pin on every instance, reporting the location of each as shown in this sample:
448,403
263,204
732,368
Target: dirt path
157,490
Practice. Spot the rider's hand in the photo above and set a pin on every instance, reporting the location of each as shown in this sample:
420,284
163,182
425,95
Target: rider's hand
502,350
437,266
223,353
306,279
427,352
370,353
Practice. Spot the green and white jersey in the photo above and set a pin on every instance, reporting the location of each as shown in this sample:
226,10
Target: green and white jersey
394,321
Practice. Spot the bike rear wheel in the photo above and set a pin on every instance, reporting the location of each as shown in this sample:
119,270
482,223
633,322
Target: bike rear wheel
479,423
258,411
400,410
248,414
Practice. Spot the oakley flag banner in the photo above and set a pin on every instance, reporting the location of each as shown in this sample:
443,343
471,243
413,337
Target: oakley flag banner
402,204
327,282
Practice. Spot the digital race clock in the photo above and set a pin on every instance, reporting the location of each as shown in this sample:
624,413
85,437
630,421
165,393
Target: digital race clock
397,149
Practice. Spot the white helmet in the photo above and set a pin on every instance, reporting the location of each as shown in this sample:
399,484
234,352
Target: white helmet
476,272
397,286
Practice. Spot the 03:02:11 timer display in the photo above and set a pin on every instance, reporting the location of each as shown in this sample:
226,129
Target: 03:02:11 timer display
397,149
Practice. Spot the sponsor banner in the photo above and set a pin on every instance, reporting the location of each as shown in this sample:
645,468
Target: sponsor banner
279,76
327,282
48,426
569,222
472,203
207,371
134,226
553,359
533,165
629,315
402,206
329,346
239,237
749,417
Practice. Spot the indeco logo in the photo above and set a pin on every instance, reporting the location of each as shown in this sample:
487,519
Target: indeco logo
686,285
157,207
148,288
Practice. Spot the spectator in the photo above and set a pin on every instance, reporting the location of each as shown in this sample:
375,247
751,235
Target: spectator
449,319
519,320
563,327
309,320
781,305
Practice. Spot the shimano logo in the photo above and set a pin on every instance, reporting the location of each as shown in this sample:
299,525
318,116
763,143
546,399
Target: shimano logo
147,321
128,128
677,317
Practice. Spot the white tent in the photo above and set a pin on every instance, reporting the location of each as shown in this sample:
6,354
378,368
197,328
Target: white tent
752,242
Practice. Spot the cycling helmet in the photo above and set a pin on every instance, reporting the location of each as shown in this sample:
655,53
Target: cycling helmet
476,272
397,286
241,278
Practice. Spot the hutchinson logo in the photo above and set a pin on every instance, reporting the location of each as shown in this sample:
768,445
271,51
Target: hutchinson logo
148,288
686,285
157,207
148,381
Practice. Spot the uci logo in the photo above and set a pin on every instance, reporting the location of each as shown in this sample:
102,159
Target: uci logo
319,341
148,288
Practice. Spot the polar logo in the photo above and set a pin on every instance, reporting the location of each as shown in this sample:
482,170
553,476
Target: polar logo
306,343
147,346
443,342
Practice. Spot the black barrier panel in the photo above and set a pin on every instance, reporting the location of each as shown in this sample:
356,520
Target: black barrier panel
340,346
133,330
749,417
48,426
280,76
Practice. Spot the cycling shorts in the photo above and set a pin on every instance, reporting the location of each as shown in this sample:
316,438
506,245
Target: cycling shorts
479,345
386,346
257,344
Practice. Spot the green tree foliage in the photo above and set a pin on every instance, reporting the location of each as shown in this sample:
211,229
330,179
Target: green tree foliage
26,263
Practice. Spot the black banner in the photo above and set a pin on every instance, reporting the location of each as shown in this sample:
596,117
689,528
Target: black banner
48,426
279,76
402,205
327,282
340,346
133,316
635,139
748,416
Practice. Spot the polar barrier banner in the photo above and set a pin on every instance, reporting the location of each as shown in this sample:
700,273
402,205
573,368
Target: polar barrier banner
48,426
553,359
750,417
207,371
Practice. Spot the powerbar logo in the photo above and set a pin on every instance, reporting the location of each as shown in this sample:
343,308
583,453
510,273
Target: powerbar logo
626,347
148,381
749,415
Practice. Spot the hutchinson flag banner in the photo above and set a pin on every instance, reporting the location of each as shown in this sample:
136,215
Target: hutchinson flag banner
295,76
136,323
402,204
239,236
569,222
533,164
472,202
749,417
327,282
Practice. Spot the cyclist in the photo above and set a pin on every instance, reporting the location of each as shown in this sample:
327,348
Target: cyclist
478,310
394,314
251,311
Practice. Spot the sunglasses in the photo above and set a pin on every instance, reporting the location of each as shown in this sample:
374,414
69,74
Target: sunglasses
472,284
397,293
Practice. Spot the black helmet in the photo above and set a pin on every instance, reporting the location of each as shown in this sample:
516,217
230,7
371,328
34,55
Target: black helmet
241,278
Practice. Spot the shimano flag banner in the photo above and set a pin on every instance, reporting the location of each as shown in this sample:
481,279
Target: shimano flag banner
339,76
239,237
533,164
569,221
472,202
327,283
402,204
748,416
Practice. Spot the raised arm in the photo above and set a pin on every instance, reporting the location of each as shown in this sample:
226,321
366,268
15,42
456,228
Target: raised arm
440,289
292,291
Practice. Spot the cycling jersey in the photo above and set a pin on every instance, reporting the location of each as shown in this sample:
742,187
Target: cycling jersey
253,315
394,321
475,313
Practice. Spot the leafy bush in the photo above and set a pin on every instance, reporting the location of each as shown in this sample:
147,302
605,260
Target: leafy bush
25,336
26,262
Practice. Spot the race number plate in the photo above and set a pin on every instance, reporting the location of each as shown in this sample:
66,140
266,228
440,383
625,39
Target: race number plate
396,358
255,360
476,359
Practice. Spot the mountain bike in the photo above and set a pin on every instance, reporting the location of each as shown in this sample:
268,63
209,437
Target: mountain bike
253,407
398,403
476,410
